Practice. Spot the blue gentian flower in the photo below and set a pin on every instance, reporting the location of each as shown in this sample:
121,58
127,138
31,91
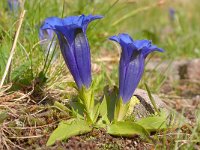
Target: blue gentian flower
132,63
13,5
71,33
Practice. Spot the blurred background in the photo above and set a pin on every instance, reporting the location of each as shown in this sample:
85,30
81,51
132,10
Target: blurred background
170,24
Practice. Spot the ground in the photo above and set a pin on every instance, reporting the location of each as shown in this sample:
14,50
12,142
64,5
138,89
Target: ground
27,124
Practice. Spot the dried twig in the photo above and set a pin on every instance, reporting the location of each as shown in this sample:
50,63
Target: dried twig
13,48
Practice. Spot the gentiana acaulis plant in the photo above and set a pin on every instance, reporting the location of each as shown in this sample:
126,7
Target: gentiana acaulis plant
109,112
71,33
131,66
48,43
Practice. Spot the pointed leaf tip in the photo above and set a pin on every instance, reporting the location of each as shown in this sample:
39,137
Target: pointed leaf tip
68,128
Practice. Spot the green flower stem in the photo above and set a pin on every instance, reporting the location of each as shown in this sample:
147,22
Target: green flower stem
121,110
86,97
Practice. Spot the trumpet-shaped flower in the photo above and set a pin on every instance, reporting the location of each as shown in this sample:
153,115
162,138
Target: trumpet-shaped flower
132,61
71,33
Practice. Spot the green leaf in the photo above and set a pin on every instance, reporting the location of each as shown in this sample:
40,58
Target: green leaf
86,97
116,109
154,123
103,121
103,108
111,97
103,111
126,129
77,108
67,129
121,110
95,112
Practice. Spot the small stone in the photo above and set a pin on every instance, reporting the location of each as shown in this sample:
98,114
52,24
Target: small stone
145,107
193,70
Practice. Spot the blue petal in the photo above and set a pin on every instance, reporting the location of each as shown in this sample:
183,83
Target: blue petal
147,50
126,43
80,21
68,31
69,58
73,20
122,74
142,43
82,56
114,38
68,48
125,38
122,38
132,76
51,23
88,19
